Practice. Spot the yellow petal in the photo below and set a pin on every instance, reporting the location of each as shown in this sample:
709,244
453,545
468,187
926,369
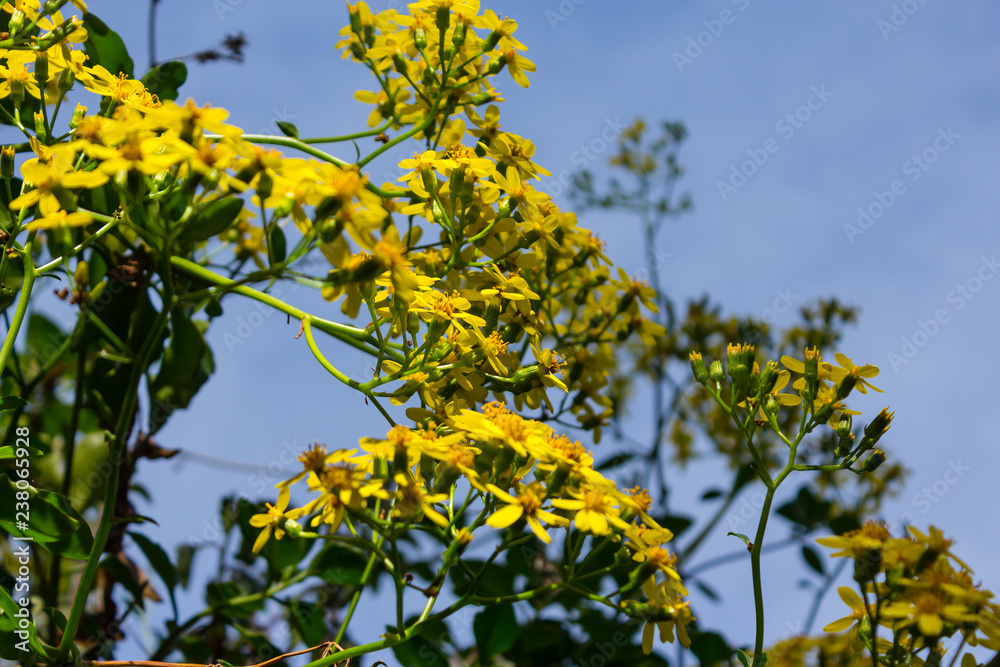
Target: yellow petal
505,516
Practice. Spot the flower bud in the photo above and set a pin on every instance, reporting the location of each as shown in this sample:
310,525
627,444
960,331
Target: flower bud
7,162
420,39
878,426
732,354
495,65
41,70
480,99
845,444
81,275
285,206
78,115
716,372
811,374
291,527
65,81
698,368
771,406
40,130
844,426
442,18
16,22
874,461
461,30
768,379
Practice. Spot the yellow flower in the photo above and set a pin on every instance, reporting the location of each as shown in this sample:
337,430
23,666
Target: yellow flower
871,536
15,76
928,611
275,520
595,508
527,505
858,611
663,598
60,219
412,501
51,176
846,367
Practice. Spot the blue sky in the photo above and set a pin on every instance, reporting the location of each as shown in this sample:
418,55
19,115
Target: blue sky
822,108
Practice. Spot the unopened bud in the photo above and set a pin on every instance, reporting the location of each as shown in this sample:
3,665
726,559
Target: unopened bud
419,39
878,426
874,461
40,130
41,69
7,162
78,115
715,371
495,65
698,368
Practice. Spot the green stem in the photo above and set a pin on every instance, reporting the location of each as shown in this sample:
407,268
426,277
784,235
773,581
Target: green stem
758,595
22,305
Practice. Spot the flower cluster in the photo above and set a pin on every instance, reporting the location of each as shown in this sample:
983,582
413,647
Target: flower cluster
515,472
915,586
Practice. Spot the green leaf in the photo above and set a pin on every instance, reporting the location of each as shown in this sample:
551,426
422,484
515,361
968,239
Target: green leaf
495,629
123,575
10,640
707,590
185,558
806,510
711,648
212,219
164,80
160,561
339,565
308,619
746,540
11,402
711,494
278,247
51,521
187,364
419,651
288,129
104,47
10,452
813,559
218,595
744,659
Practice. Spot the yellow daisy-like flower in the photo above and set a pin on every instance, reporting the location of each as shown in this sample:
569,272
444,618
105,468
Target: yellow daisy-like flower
528,505
276,520
595,510
847,366
60,219
858,611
